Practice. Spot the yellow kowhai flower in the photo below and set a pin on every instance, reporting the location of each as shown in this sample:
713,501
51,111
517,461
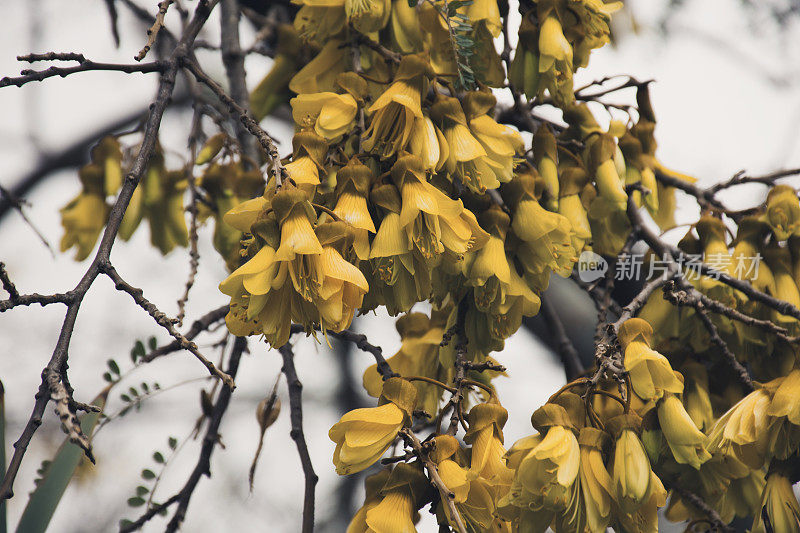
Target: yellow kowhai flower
362,435
550,469
428,143
330,114
545,156
308,160
555,56
683,437
779,262
783,211
573,180
485,435
591,27
744,431
273,89
696,396
500,142
162,198
372,497
711,232
352,188
595,481
393,114
468,159
546,237
631,473
400,494
368,16
433,222
226,186
401,275
600,153
650,372
319,74
342,285
318,21
779,505
523,72
499,291
405,26
84,217
300,276
108,155
418,356
645,518
638,171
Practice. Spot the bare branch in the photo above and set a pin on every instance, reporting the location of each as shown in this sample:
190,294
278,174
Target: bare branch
152,32
447,496
203,466
200,325
163,321
244,116
296,407
56,367
28,75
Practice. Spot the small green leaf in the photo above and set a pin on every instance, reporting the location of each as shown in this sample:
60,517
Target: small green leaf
158,457
136,501
107,377
173,443
152,342
113,366
148,474
124,523
125,398
145,387
141,490
134,392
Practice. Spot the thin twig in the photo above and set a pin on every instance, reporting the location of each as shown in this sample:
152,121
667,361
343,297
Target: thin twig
198,326
246,118
55,371
447,496
296,415
152,32
211,439
164,321
28,75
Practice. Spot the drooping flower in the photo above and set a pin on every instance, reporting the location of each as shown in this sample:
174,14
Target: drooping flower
783,211
84,217
362,435
779,506
393,114
400,495
683,437
650,372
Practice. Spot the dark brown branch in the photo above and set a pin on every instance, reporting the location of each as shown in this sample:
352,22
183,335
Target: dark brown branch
55,371
164,321
28,75
384,52
573,367
150,514
296,408
687,295
704,197
152,32
696,501
233,60
483,367
662,249
8,285
244,116
198,326
211,439
362,344
447,496
741,177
